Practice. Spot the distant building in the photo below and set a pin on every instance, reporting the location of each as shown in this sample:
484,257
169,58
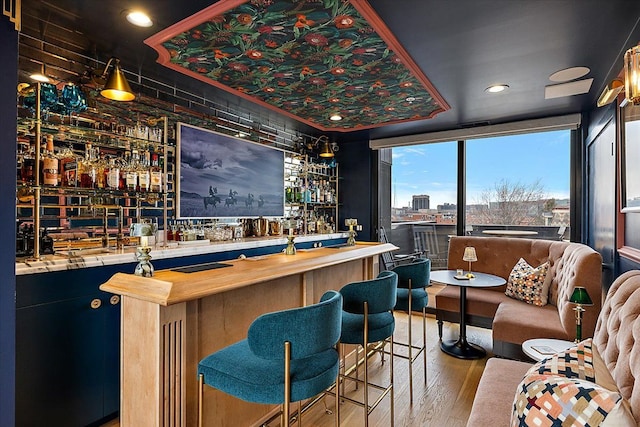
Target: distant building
447,207
420,201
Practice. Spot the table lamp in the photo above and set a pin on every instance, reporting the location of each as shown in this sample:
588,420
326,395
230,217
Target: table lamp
290,225
579,297
351,222
470,255
144,231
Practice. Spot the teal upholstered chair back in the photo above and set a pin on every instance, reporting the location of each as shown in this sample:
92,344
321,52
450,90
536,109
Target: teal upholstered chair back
310,329
418,272
379,293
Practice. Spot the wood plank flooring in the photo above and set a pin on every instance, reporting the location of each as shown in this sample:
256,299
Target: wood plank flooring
445,400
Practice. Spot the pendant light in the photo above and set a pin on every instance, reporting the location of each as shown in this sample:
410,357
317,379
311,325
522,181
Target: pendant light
325,150
116,87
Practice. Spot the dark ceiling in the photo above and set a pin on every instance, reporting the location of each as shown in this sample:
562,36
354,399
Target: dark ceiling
462,46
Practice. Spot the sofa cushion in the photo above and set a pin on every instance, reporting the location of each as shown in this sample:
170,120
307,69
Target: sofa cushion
570,265
617,335
479,301
546,400
493,403
527,283
516,322
574,362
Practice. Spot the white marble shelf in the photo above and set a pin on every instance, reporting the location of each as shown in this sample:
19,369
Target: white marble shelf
101,257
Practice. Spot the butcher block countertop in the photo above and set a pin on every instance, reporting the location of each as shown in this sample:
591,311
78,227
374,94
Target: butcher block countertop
173,286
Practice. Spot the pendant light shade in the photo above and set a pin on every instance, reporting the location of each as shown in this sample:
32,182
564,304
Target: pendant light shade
116,87
325,150
632,74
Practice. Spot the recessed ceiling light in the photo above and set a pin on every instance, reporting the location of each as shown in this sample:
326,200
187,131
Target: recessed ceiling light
497,88
139,18
569,74
39,77
335,117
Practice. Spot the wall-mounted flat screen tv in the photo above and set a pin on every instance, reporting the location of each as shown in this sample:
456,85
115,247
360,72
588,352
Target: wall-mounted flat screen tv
220,176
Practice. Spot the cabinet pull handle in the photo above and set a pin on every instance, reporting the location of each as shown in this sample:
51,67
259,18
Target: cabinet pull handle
96,303
115,299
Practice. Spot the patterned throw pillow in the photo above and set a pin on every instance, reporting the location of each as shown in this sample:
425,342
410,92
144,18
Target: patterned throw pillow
574,362
561,390
527,283
552,400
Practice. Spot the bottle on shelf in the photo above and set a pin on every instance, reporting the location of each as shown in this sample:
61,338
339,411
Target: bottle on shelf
144,177
49,163
132,171
113,175
102,168
156,173
87,168
27,171
68,167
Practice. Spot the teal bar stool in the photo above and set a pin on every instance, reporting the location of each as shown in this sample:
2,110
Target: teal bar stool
413,280
367,318
288,356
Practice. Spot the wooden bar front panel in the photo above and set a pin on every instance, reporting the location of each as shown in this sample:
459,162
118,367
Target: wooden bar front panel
162,345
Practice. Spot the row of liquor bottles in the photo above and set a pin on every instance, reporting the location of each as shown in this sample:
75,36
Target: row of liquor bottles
298,224
137,169
313,191
313,221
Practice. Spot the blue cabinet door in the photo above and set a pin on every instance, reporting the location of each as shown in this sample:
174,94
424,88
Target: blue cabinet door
60,364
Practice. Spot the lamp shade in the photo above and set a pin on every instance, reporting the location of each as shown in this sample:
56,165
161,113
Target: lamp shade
632,74
117,88
580,296
470,254
325,150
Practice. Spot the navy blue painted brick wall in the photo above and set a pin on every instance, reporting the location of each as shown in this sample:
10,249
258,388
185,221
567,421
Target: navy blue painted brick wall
8,82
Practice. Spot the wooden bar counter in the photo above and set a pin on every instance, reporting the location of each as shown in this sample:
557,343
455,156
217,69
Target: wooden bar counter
172,320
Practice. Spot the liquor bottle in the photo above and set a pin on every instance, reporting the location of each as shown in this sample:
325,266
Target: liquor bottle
156,173
113,176
289,195
87,168
132,171
322,192
69,167
122,185
49,164
102,168
27,171
144,177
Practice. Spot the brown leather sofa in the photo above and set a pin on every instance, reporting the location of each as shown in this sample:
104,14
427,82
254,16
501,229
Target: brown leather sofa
615,339
513,321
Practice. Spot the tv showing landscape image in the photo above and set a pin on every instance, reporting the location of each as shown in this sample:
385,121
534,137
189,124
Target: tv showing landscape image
220,176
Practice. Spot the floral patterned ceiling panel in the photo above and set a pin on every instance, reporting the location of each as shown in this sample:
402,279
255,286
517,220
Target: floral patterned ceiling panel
308,59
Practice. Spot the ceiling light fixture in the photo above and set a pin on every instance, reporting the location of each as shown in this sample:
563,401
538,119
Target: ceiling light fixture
326,150
116,88
335,117
496,88
632,74
39,77
139,18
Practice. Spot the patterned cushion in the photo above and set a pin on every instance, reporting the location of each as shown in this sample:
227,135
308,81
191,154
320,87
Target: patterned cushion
561,390
574,362
527,283
552,400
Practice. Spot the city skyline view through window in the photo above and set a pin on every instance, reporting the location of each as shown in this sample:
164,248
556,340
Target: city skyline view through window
530,169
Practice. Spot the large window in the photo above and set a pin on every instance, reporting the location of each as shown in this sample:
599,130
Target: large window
515,185
424,190
519,185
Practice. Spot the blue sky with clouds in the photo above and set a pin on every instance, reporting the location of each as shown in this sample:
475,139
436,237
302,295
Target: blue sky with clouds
431,168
